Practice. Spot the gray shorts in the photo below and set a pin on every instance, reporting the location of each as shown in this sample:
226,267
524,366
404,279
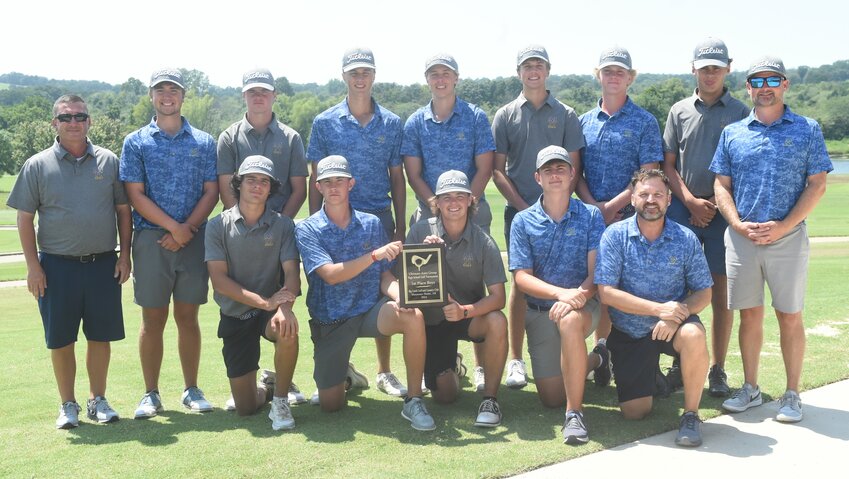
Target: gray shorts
783,265
332,344
157,272
544,339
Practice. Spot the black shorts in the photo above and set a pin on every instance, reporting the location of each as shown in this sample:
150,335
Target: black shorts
442,347
635,361
241,342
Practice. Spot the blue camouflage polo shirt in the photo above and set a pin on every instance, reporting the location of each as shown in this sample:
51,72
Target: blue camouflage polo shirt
556,250
769,165
370,150
617,146
321,242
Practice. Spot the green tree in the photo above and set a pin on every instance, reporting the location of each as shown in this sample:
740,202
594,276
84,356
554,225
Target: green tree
108,133
659,98
142,112
195,80
28,138
7,163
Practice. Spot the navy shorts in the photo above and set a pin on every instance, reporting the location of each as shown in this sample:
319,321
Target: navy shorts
442,341
241,342
509,214
635,361
80,292
712,237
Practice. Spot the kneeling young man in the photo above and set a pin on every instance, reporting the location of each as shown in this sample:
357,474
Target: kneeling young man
352,292
653,274
553,247
472,261
246,246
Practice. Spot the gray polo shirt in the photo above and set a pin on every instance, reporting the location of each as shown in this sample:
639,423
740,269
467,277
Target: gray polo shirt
253,254
280,143
521,132
75,199
472,263
692,132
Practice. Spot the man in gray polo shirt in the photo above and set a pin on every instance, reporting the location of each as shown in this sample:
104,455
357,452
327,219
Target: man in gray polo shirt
74,272
472,261
689,142
260,133
246,246
521,129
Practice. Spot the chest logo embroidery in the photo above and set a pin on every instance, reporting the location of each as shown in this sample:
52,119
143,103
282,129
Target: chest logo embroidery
461,136
277,149
381,139
268,239
788,142
673,260
552,122
98,173
467,261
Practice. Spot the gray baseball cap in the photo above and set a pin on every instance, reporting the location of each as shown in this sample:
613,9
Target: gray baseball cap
442,59
767,63
257,164
357,58
711,52
258,77
552,153
616,56
532,51
171,75
452,181
333,166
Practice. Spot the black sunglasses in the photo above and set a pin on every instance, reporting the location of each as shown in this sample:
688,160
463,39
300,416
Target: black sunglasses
67,117
772,82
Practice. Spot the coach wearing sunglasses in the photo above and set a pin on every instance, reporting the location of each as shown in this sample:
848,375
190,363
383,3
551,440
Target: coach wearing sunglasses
74,272
771,171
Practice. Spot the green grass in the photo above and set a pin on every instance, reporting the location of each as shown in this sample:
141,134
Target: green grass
838,148
13,271
829,218
369,437
9,241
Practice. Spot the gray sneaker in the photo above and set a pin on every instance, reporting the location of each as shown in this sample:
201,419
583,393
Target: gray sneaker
574,428
479,379
280,414
149,406
69,415
194,400
415,411
489,414
745,397
689,430
789,407
517,378
356,379
389,384
98,409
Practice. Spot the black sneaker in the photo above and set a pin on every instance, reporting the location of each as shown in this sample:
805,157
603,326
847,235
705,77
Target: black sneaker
673,376
718,382
689,430
661,384
601,374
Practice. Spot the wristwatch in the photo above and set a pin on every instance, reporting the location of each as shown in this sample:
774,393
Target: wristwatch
465,312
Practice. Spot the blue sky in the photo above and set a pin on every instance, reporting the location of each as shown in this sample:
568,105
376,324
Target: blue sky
304,40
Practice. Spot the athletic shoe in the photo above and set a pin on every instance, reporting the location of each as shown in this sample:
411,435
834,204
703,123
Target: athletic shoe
389,384
601,374
194,400
689,430
425,390
661,385
789,407
673,376
268,378
517,378
314,399
414,410
745,397
460,368
98,409
295,395
355,379
574,428
718,382
69,415
149,406
230,404
280,414
489,414
479,379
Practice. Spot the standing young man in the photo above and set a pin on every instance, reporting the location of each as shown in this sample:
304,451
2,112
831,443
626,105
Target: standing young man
523,127
770,174
247,248
689,142
369,137
73,271
168,170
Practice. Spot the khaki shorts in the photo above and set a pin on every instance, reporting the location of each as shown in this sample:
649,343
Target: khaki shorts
157,272
544,339
783,265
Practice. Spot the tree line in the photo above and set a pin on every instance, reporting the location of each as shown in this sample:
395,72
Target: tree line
26,102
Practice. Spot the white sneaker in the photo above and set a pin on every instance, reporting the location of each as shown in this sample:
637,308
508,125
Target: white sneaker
425,390
479,379
98,409
149,406
280,414
489,414
295,395
355,378
517,378
194,400
389,383
314,399
230,404
69,415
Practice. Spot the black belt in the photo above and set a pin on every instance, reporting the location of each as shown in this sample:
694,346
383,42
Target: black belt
86,258
536,307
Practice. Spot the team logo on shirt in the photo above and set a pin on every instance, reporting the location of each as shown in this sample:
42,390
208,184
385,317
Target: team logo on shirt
367,246
194,152
461,136
788,142
381,139
570,231
467,261
268,239
552,122
98,173
627,133
277,149
673,260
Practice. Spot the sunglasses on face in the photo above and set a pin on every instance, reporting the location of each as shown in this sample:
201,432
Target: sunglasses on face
67,117
772,82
